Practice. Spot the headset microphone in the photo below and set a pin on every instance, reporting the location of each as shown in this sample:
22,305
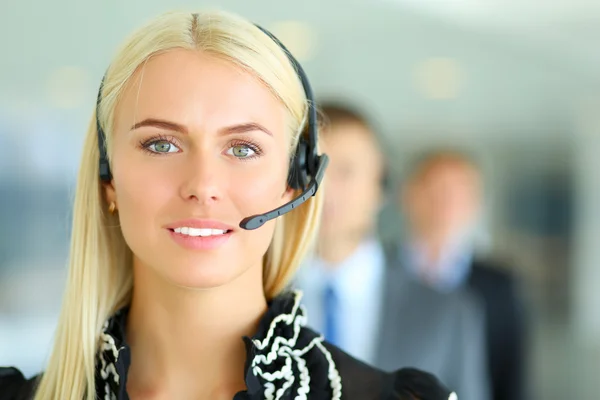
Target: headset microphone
257,221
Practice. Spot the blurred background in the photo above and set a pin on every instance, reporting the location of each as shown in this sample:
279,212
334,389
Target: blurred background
517,83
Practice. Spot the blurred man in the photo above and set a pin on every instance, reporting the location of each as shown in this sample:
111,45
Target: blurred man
441,201
354,290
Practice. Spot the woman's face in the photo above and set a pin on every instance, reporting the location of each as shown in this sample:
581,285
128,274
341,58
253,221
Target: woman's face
198,145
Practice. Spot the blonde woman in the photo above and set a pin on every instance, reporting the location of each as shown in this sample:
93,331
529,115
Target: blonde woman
175,290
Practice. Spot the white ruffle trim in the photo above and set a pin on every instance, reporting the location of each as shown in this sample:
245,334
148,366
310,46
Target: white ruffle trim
107,367
286,348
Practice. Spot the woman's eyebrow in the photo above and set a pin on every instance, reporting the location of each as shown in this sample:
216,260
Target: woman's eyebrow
248,127
160,123
173,126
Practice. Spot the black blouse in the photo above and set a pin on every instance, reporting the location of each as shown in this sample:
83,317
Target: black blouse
285,360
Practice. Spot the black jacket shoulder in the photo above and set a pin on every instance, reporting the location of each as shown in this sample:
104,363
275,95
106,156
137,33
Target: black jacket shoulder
361,381
491,273
14,385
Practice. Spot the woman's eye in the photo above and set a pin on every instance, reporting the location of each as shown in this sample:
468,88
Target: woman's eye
162,146
241,151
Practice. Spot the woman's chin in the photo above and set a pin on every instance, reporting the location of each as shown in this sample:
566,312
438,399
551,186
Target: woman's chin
198,273
202,278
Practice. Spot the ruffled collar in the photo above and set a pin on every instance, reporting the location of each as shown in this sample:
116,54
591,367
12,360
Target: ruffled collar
284,359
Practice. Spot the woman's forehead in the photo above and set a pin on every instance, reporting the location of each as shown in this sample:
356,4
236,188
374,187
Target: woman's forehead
192,86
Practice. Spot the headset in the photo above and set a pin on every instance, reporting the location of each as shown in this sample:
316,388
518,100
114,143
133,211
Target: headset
306,169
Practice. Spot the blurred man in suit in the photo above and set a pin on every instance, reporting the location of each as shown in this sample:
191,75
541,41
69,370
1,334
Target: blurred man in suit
356,293
441,200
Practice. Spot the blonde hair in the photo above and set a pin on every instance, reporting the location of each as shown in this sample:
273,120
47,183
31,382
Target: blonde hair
100,277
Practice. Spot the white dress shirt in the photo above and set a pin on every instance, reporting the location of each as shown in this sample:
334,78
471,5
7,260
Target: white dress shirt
358,283
448,273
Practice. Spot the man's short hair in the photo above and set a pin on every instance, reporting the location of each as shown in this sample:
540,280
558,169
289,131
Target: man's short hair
430,158
337,113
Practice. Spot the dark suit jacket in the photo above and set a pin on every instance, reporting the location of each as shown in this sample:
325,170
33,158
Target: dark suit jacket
504,326
443,333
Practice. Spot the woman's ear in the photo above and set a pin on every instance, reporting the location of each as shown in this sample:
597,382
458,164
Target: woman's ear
110,193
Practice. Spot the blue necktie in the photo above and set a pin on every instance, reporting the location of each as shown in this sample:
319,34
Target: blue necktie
330,307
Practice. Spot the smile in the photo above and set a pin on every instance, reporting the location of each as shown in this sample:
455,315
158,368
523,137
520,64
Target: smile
200,238
204,232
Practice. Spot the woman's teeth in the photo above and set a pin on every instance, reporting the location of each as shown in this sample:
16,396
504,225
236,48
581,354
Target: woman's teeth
199,231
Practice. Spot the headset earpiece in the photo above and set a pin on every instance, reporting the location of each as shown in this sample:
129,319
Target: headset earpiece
105,174
298,175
